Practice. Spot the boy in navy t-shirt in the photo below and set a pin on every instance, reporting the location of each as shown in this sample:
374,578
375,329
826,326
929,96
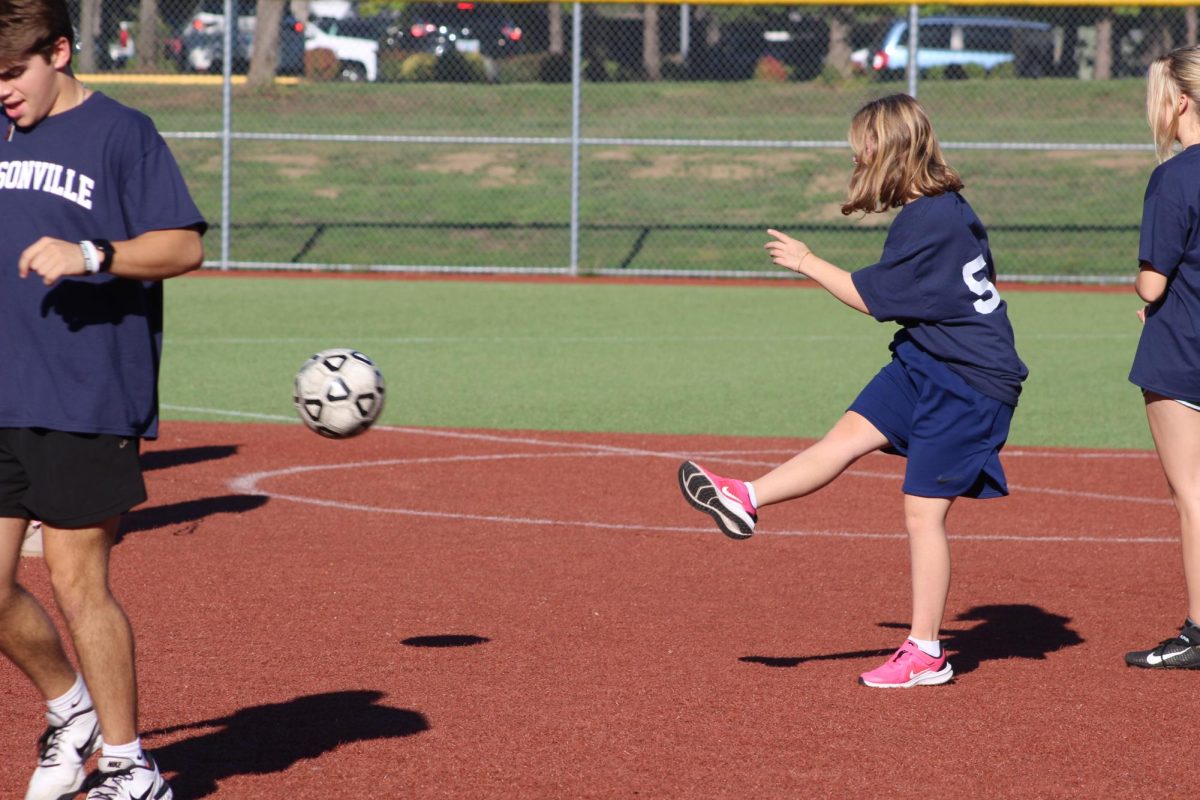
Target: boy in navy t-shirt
946,399
94,214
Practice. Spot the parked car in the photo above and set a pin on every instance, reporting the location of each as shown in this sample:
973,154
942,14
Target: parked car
466,27
954,43
358,56
200,45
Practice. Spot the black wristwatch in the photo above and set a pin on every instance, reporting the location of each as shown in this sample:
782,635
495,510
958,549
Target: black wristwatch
97,255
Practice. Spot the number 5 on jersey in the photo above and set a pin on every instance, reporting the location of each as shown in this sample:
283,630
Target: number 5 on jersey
985,290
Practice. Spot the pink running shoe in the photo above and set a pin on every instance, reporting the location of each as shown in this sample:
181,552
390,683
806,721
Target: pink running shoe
909,667
724,499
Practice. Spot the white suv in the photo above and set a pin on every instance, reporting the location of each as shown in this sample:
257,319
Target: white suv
358,59
952,43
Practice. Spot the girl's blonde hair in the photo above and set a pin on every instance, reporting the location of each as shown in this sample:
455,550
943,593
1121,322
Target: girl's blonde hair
897,157
1171,75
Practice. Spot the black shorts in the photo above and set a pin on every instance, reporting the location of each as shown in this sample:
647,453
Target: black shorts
68,480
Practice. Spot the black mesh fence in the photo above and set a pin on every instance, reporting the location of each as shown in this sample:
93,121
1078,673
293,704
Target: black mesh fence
453,136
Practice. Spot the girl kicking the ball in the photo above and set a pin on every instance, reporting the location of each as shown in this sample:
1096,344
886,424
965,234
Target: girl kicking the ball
946,398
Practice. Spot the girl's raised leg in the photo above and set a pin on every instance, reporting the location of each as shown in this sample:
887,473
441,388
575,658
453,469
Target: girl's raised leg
851,438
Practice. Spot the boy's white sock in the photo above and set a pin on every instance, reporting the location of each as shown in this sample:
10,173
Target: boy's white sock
69,704
132,751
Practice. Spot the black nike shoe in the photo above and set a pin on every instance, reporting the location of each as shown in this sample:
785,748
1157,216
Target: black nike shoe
1180,652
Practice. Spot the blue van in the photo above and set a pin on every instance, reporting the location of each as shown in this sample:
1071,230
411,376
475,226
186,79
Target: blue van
952,43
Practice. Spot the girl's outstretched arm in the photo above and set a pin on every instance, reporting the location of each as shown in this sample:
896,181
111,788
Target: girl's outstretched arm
795,255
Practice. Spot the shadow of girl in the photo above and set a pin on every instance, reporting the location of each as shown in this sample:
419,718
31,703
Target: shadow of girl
271,738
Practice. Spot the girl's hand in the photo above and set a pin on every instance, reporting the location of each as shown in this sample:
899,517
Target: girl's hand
1141,314
786,251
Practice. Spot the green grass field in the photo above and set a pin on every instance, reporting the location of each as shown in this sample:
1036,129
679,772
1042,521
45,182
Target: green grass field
756,361
507,205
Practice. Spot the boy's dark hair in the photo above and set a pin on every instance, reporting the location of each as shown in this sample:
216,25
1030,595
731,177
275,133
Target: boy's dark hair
31,27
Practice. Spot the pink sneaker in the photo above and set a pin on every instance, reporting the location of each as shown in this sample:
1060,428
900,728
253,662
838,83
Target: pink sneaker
724,499
909,667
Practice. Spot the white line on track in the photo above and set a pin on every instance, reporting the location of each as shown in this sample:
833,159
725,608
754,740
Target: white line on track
251,484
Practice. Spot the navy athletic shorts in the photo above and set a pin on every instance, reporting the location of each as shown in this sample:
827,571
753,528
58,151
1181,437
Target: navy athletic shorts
68,480
950,432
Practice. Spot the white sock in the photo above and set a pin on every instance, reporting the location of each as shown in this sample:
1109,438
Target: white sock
927,647
66,706
132,751
750,491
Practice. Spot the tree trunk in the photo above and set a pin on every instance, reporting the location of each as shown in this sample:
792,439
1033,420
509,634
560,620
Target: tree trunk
712,28
89,24
554,12
264,57
838,57
651,46
149,42
1189,19
1104,51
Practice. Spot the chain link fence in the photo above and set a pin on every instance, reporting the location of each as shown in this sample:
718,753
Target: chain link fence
628,139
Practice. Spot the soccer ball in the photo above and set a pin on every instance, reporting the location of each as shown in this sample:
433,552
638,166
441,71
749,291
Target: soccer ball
339,393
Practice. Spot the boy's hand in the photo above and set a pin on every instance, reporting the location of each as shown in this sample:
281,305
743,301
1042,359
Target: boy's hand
786,251
51,259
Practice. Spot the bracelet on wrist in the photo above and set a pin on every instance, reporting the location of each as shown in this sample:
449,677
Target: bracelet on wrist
97,255
91,257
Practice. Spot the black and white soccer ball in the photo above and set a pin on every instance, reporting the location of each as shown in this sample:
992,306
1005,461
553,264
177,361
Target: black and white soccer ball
339,393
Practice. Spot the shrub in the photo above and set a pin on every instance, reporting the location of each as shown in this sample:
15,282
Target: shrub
418,67
455,67
522,69
321,64
597,70
1006,70
391,64
555,68
772,69
974,71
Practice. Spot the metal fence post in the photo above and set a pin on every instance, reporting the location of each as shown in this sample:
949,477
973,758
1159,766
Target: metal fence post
914,32
576,95
227,131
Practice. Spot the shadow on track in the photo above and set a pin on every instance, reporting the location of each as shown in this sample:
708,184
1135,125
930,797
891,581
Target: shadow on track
1015,630
165,459
188,514
267,739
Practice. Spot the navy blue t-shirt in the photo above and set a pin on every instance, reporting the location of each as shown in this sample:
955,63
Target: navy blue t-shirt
937,279
82,355
1168,353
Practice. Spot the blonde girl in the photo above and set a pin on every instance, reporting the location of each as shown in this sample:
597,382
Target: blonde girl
945,400
1167,363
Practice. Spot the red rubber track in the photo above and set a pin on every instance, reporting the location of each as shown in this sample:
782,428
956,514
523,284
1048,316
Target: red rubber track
540,615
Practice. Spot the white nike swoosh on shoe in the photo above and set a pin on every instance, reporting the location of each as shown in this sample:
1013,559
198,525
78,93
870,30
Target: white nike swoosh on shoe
1154,660
725,490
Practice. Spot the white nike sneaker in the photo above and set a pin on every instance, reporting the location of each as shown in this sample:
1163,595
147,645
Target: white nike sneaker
62,751
125,779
